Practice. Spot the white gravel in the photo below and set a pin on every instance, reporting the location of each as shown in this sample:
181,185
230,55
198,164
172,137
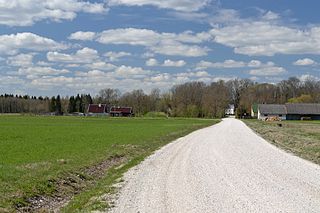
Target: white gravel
222,168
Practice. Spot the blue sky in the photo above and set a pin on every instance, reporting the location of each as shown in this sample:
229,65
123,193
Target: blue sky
50,47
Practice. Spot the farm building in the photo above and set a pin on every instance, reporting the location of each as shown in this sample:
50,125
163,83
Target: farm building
289,111
271,110
303,111
98,109
121,111
230,110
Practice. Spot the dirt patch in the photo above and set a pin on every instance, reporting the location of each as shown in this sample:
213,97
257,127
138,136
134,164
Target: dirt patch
65,188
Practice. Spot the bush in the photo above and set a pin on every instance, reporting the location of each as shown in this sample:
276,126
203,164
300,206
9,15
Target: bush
155,115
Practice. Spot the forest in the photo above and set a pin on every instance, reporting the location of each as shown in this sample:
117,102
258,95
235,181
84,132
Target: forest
192,99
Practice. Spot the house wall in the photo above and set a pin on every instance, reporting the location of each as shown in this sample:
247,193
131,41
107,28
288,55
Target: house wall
263,117
254,115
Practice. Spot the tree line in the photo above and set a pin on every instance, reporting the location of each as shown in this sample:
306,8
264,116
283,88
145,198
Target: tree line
192,99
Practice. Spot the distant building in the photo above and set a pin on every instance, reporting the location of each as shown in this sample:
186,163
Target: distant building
98,109
121,111
303,111
230,110
289,111
271,110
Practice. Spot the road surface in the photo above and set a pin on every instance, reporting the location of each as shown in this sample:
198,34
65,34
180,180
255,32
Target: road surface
222,168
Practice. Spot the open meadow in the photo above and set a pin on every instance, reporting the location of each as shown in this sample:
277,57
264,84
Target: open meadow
45,161
301,138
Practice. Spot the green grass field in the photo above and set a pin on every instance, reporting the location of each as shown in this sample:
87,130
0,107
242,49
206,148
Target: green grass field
301,138
39,155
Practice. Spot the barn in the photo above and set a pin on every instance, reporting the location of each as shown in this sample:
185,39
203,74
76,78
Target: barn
290,111
121,111
271,110
303,111
98,109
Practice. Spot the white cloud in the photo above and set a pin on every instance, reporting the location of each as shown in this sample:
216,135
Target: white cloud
268,71
307,77
48,81
133,72
13,43
27,12
170,63
83,36
226,64
100,65
261,69
161,43
304,62
152,62
161,77
270,16
85,55
36,71
179,5
11,80
174,48
267,38
131,36
230,63
115,56
255,63
21,60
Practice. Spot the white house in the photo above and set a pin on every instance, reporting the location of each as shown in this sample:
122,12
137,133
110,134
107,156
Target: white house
230,110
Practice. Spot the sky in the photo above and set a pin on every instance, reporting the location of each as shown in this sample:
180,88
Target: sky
50,47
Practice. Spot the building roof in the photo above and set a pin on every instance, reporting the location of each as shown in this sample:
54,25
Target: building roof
303,109
273,109
121,110
97,108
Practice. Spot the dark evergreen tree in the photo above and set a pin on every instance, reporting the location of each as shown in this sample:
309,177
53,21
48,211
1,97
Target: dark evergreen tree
58,105
52,104
78,103
72,105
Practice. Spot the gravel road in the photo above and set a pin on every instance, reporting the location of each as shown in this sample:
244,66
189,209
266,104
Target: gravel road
222,168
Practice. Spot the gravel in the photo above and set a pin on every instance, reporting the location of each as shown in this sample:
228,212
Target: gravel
222,168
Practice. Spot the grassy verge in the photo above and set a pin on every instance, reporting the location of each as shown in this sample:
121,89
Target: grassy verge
301,138
45,161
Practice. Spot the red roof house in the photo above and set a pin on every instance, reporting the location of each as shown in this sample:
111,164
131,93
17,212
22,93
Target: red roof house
121,111
98,109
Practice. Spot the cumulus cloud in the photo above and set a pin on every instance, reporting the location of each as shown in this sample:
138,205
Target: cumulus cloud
85,55
152,62
21,60
179,5
101,65
133,72
27,12
268,71
230,63
308,77
83,36
36,71
267,37
13,43
226,64
304,62
170,63
115,56
182,44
